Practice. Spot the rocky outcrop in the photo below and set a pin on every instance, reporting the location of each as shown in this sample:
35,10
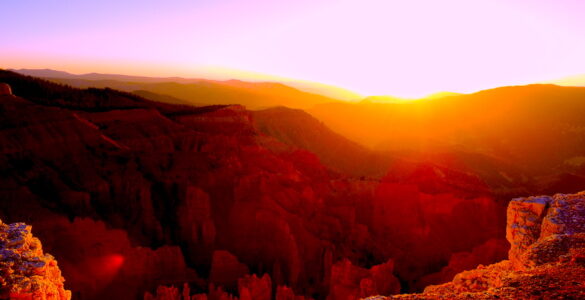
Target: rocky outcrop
525,218
545,228
26,272
5,89
546,260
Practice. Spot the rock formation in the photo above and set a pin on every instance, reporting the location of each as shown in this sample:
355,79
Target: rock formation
546,260
5,89
26,272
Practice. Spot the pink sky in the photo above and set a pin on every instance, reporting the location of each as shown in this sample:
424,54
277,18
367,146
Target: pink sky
404,48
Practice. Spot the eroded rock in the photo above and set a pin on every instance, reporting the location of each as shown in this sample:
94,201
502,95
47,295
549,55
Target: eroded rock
25,271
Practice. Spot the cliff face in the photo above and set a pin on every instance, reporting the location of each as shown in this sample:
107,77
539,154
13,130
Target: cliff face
26,272
546,260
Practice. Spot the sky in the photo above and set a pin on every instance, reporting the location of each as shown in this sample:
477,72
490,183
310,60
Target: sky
406,48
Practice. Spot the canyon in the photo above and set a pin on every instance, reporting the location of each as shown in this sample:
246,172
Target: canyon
144,199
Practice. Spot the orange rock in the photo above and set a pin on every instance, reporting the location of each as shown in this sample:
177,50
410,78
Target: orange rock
524,218
25,271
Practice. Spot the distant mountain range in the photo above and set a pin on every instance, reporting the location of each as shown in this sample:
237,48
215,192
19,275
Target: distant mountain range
254,95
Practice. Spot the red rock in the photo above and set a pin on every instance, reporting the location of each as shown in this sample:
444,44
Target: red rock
5,89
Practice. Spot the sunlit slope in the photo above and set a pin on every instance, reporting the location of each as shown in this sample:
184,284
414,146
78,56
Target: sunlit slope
299,129
535,126
253,95
325,90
